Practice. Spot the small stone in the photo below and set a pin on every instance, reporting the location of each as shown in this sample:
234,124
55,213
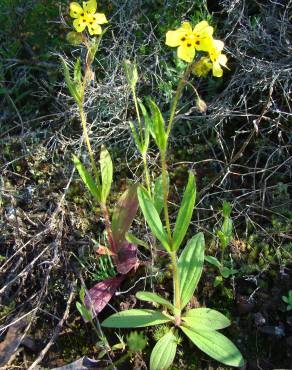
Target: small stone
259,319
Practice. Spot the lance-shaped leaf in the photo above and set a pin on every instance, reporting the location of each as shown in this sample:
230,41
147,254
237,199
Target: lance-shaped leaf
205,319
134,240
87,179
136,138
101,293
106,167
158,193
185,212
158,129
152,217
164,351
153,297
190,266
131,73
213,261
135,319
124,213
70,84
126,258
216,345
147,126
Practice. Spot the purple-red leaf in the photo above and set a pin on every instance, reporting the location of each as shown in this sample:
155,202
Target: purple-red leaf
123,215
101,293
127,258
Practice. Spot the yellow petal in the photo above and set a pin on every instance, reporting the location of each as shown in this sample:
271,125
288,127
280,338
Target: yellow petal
218,45
222,59
200,26
186,27
203,29
173,38
75,10
99,18
90,6
94,29
186,53
204,43
217,70
79,24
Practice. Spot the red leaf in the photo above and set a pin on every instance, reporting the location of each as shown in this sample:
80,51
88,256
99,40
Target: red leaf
123,215
101,294
127,258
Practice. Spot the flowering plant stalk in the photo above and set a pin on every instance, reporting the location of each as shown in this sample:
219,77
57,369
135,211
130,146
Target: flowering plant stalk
200,325
99,181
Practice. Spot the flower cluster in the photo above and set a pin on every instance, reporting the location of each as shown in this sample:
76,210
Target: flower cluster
87,17
200,38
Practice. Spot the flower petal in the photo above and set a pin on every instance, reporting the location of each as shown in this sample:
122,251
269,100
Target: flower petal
90,6
186,27
203,29
186,53
218,45
99,18
173,38
94,29
75,10
204,43
79,24
217,70
222,59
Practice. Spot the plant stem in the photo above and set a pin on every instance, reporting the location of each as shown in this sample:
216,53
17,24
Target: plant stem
89,148
177,96
173,256
165,195
147,176
176,283
138,114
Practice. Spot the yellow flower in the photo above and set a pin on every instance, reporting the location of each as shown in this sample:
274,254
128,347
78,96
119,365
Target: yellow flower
87,17
202,67
217,58
189,40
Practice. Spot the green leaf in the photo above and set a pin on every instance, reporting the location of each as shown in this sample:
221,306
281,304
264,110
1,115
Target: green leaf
164,351
158,193
70,84
136,137
158,130
134,240
83,311
185,212
213,261
216,345
217,281
147,124
227,228
205,319
153,297
74,38
135,319
106,166
190,267
152,217
226,209
131,73
87,179
226,272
